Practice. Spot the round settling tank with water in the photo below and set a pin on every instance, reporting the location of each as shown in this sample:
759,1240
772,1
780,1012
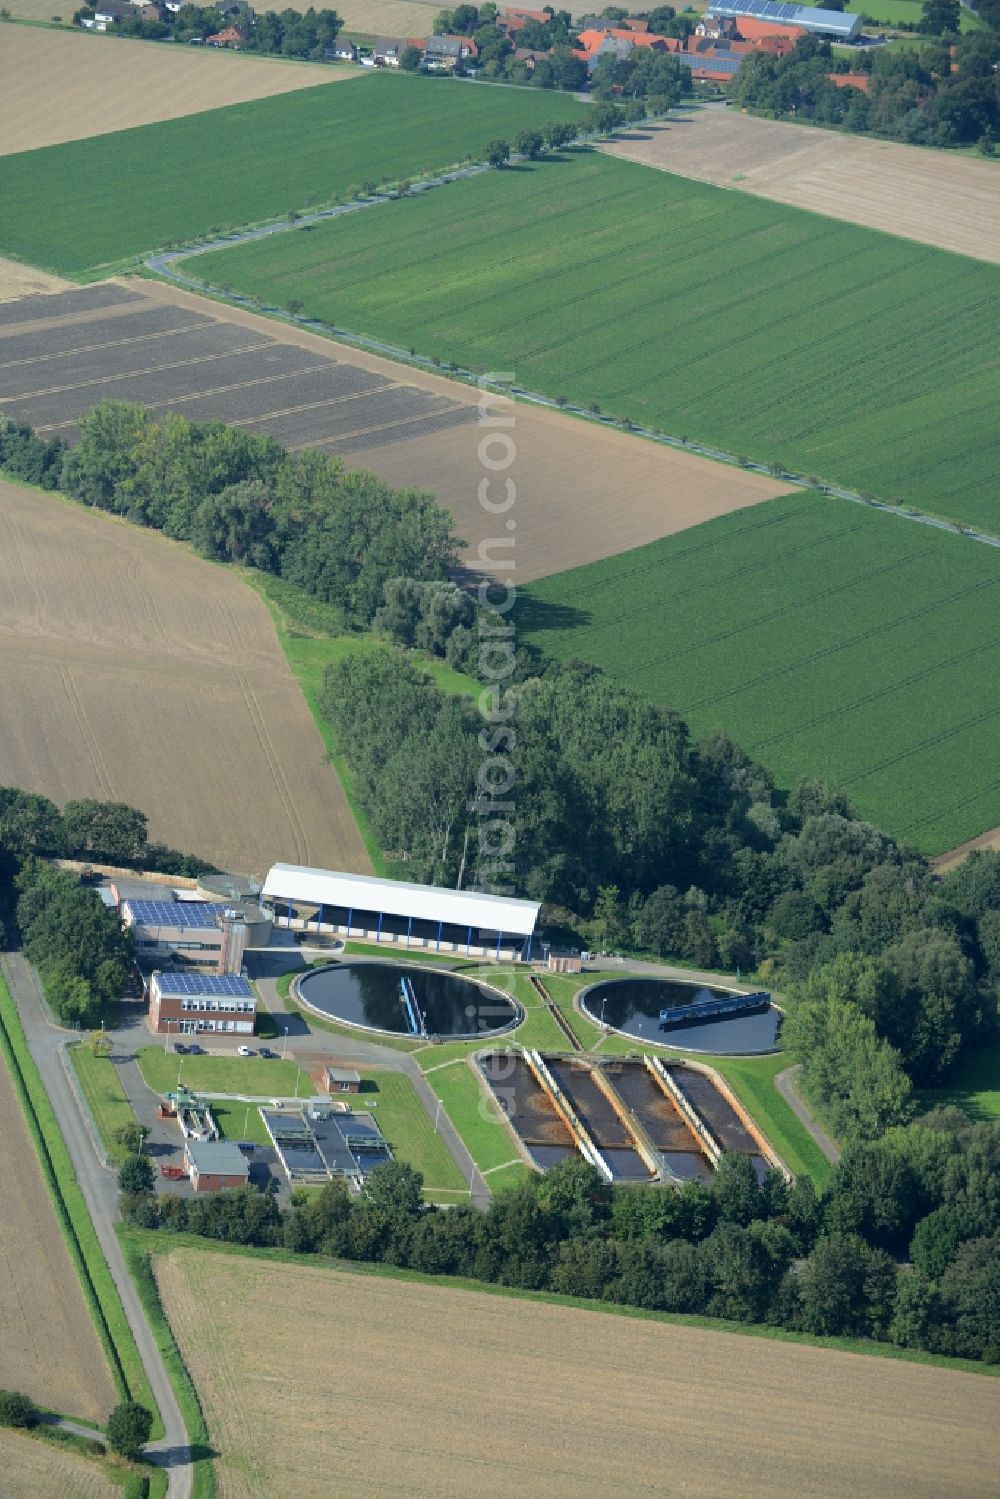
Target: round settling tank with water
369,993
632,1006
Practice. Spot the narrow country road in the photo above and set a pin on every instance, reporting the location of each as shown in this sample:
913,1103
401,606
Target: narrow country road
100,1191
785,1084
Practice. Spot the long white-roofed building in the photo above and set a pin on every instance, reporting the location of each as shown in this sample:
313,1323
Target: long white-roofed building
837,25
431,917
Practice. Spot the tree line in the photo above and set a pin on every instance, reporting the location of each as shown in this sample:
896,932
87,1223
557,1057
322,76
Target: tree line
103,832
901,1248
240,497
917,96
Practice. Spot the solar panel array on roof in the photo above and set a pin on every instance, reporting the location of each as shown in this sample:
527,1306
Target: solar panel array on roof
173,913
228,984
717,64
837,23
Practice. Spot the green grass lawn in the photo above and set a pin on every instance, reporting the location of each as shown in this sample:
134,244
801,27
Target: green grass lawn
102,1088
251,1076
405,1123
474,1115
827,638
94,203
865,359
974,1086
509,1176
239,1121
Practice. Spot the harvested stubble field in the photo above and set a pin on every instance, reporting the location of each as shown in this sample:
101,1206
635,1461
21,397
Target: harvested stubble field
827,638
793,338
65,85
385,17
65,207
935,197
172,350
400,1388
34,1469
48,1347
133,671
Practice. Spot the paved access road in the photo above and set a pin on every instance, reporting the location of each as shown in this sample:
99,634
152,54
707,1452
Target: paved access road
785,1084
100,1190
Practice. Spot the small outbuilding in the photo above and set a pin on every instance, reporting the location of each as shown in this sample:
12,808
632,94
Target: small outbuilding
214,1165
341,1080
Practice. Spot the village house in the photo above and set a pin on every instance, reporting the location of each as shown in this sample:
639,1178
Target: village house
449,51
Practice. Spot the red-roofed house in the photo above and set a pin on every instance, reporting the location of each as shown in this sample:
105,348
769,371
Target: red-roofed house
231,37
850,80
594,43
752,30
518,14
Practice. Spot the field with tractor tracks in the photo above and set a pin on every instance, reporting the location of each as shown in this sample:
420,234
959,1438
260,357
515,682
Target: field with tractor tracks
798,340
827,638
429,1390
132,671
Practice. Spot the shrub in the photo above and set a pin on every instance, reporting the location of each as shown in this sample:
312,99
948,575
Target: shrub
17,1409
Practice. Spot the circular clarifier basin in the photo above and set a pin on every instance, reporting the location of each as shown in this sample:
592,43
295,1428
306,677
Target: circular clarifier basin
407,999
632,1006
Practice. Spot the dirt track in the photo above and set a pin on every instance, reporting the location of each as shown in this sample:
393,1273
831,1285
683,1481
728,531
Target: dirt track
383,1388
65,85
48,1346
132,671
935,197
986,842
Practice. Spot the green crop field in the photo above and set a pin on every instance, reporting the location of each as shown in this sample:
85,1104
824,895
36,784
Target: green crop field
827,638
867,360
94,203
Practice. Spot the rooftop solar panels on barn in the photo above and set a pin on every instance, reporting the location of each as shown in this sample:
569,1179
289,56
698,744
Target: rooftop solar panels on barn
229,985
840,24
186,913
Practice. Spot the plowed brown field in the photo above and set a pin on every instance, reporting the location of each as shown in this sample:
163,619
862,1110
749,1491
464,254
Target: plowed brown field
935,197
133,671
37,1470
65,85
48,1346
313,1378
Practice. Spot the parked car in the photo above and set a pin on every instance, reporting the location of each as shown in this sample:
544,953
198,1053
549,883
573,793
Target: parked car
244,1051
180,1049
266,1051
196,1051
